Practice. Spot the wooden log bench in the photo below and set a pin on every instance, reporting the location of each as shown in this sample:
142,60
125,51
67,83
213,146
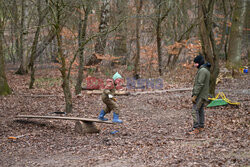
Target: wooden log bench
82,125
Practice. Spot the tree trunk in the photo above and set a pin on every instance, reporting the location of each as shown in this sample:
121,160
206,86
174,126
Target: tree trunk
53,51
12,48
247,25
45,42
16,29
34,45
137,31
58,15
205,12
158,40
236,35
65,84
120,49
158,35
4,87
101,41
82,37
23,69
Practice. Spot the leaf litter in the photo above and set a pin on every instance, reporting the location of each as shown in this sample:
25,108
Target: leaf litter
153,132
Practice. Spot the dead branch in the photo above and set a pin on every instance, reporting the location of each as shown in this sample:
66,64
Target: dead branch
186,139
161,91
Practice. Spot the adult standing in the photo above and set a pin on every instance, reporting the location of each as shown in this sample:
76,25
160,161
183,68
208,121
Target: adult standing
200,94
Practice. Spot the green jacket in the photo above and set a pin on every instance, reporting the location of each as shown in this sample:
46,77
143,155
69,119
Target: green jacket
201,83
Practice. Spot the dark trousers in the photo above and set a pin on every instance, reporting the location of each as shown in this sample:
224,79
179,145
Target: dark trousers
198,113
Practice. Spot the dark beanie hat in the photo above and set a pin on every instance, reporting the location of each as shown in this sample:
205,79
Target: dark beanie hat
199,59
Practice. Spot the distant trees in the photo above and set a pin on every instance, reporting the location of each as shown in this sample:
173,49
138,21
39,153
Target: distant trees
102,39
58,9
236,35
41,16
161,13
23,38
213,34
155,36
120,41
82,33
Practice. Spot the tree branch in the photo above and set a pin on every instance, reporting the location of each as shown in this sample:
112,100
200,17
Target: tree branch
89,39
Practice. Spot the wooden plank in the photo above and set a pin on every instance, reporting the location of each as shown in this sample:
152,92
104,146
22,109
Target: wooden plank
98,92
65,118
139,93
161,91
42,95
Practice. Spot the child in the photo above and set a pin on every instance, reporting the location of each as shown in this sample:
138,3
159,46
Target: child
109,100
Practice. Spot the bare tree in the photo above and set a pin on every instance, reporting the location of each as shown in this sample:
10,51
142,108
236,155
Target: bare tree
209,47
41,16
226,5
58,17
4,87
16,27
247,25
236,35
138,4
101,40
161,14
23,48
120,48
82,38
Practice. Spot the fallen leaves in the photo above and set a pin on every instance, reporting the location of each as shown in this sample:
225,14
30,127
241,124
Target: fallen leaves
153,132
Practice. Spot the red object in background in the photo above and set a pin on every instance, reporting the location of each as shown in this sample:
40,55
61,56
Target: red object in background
119,84
94,83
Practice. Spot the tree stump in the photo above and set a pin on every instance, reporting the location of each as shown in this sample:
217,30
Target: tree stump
84,127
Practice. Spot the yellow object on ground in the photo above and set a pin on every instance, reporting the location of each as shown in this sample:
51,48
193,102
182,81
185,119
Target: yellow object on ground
222,95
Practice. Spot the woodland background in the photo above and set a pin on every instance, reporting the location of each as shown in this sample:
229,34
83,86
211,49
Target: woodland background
49,47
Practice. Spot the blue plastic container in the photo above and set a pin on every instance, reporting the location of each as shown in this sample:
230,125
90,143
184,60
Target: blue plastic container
245,70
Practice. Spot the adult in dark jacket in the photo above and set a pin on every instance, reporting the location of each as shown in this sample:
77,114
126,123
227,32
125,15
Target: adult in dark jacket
200,93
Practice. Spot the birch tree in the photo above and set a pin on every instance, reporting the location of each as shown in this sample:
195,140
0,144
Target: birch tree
103,27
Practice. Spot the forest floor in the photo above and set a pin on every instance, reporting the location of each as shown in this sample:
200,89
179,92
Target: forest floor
153,133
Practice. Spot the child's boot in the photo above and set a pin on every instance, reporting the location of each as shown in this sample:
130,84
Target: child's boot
116,118
101,116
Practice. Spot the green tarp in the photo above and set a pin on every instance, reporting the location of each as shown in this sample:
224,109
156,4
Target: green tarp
217,102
